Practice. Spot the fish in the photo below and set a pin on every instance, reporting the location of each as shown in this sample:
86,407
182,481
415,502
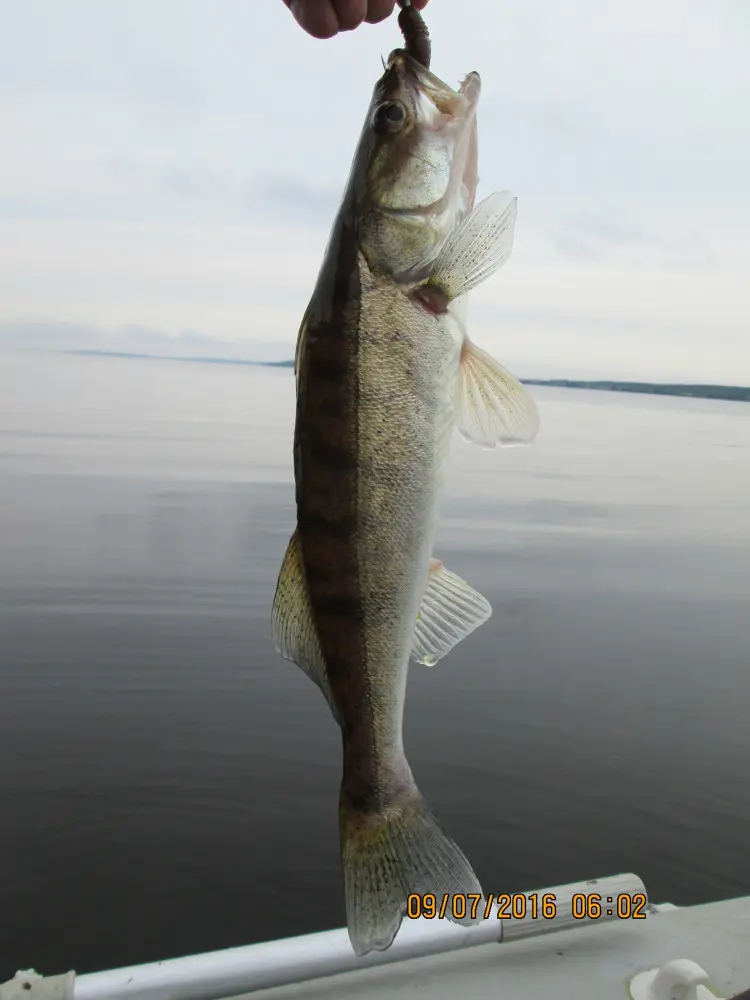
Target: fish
385,372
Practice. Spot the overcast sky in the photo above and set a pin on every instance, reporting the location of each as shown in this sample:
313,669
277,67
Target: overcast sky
176,165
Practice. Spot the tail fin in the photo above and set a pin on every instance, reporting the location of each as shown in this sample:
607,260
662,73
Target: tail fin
388,855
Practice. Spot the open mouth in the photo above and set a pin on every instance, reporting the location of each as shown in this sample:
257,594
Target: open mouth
439,152
449,102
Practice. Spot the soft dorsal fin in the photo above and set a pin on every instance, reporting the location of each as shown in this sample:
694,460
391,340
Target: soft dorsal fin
293,629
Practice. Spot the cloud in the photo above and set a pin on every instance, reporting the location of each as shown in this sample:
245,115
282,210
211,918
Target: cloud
587,237
175,165
43,335
294,196
90,50
191,182
591,239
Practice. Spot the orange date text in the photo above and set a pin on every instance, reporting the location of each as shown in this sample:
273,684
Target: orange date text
473,906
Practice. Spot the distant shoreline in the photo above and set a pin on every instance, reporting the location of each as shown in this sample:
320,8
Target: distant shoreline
735,393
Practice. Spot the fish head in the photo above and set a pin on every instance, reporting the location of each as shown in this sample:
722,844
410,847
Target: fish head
415,173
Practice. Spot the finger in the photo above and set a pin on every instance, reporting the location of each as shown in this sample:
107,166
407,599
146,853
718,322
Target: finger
316,17
351,13
379,10
419,4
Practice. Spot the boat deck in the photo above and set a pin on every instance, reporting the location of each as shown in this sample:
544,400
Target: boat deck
688,953
594,962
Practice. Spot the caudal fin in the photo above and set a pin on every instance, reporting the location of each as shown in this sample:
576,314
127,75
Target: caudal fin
390,854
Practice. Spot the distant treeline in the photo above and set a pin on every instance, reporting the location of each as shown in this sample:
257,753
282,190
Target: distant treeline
734,392
739,393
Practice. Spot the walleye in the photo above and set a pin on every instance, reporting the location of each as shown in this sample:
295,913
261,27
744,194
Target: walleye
385,371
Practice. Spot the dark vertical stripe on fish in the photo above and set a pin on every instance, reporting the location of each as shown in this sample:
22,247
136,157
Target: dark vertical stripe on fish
327,467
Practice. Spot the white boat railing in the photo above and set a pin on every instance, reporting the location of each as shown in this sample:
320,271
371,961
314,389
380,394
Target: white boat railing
232,971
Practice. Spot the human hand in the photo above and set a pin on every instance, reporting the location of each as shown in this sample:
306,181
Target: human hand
326,18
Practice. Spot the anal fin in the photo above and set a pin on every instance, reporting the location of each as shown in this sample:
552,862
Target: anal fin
293,629
450,611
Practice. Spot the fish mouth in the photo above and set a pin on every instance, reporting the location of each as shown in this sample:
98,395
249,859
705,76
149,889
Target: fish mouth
422,83
441,110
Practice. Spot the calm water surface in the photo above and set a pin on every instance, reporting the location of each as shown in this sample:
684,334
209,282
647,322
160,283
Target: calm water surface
169,785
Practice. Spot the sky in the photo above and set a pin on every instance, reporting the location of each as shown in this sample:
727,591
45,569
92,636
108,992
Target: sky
173,167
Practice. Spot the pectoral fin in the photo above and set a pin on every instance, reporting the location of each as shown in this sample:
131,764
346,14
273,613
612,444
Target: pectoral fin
292,626
477,248
493,407
450,611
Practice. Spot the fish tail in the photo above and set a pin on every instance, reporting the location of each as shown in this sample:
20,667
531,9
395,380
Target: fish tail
392,852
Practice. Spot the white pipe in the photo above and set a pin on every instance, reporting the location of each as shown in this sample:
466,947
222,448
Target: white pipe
227,973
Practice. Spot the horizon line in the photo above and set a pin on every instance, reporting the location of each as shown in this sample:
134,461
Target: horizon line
735,393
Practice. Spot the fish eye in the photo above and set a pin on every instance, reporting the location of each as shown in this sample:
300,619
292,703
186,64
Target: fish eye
393,112
389,117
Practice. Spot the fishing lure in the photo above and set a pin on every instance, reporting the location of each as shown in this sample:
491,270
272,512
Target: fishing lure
416,35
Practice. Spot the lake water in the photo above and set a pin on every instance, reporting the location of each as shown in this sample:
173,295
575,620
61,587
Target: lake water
169,785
